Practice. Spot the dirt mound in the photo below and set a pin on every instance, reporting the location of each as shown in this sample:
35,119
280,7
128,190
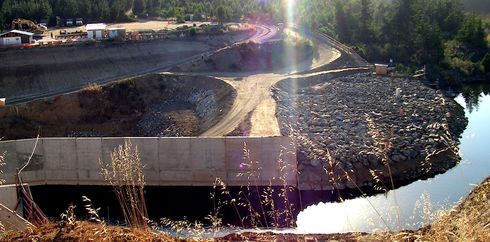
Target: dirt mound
152,105
251,57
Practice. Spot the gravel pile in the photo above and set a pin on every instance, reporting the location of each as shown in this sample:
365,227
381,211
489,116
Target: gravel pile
334,115
156,123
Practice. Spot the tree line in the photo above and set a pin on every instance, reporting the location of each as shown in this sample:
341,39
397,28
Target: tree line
122,10
438,34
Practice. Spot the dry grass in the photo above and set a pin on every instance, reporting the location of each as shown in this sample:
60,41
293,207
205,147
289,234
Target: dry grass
2,163
470,221
257,206
125,174
85,231
92,88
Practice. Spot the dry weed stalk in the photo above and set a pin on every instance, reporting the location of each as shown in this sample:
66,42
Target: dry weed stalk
288,211
193,231
267,208
2,163
469,221
68,219
93,213
218,204
330,165
381,147
92,88
253,173
125,175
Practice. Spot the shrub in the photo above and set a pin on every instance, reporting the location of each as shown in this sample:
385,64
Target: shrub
193,32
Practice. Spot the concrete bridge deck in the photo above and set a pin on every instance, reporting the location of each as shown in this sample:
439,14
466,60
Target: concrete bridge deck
168,161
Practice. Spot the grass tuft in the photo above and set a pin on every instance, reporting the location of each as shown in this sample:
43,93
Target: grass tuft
125,174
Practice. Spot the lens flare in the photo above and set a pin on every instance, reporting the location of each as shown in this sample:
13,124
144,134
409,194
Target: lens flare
290,11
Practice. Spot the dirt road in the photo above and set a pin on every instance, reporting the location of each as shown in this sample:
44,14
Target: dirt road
254,93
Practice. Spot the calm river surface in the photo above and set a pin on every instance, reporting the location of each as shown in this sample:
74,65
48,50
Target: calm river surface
381,212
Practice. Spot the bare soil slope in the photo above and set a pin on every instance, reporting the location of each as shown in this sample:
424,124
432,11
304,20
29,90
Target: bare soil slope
152,105
251,57
25,72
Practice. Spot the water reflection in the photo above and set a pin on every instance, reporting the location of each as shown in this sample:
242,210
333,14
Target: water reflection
472,94
403,207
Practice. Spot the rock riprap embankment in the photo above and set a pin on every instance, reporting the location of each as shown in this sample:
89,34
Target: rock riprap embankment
339,118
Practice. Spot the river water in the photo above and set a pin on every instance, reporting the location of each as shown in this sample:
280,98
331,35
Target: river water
419,203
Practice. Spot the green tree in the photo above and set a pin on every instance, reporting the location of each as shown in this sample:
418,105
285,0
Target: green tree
2,21
71,9
472,35
85,9
341,23
139,7
398,30
223,13
485,62
365,22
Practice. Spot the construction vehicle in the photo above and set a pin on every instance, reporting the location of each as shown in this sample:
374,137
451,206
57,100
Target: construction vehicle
28,25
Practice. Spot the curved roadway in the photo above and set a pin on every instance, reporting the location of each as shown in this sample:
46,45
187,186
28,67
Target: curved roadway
254,92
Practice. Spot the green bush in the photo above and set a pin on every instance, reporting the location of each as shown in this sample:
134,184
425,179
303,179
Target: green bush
193,32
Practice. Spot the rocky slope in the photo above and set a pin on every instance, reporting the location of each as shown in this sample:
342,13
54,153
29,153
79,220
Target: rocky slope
358,125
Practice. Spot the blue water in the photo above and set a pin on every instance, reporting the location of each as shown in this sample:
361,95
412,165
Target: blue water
402,208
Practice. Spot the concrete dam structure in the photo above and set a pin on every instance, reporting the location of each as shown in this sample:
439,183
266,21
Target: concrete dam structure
168,161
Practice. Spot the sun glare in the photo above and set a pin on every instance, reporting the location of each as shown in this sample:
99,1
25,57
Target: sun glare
290,7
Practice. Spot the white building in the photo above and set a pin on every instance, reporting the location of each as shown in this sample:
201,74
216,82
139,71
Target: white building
96,31
15,37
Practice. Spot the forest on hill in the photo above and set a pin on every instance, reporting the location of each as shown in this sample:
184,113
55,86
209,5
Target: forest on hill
448,37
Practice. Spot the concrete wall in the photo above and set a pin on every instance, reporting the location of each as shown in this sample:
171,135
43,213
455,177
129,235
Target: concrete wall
8,196
168,161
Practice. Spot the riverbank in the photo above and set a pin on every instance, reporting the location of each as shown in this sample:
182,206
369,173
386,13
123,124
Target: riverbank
362,128
468,221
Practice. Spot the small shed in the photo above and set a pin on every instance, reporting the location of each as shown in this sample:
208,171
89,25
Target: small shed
116,33
15,37
96,31
381,69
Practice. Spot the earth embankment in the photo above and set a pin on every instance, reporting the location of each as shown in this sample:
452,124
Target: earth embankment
155,105
50,71
252,57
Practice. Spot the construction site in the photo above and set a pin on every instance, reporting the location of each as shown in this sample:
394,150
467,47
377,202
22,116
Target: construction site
192,104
